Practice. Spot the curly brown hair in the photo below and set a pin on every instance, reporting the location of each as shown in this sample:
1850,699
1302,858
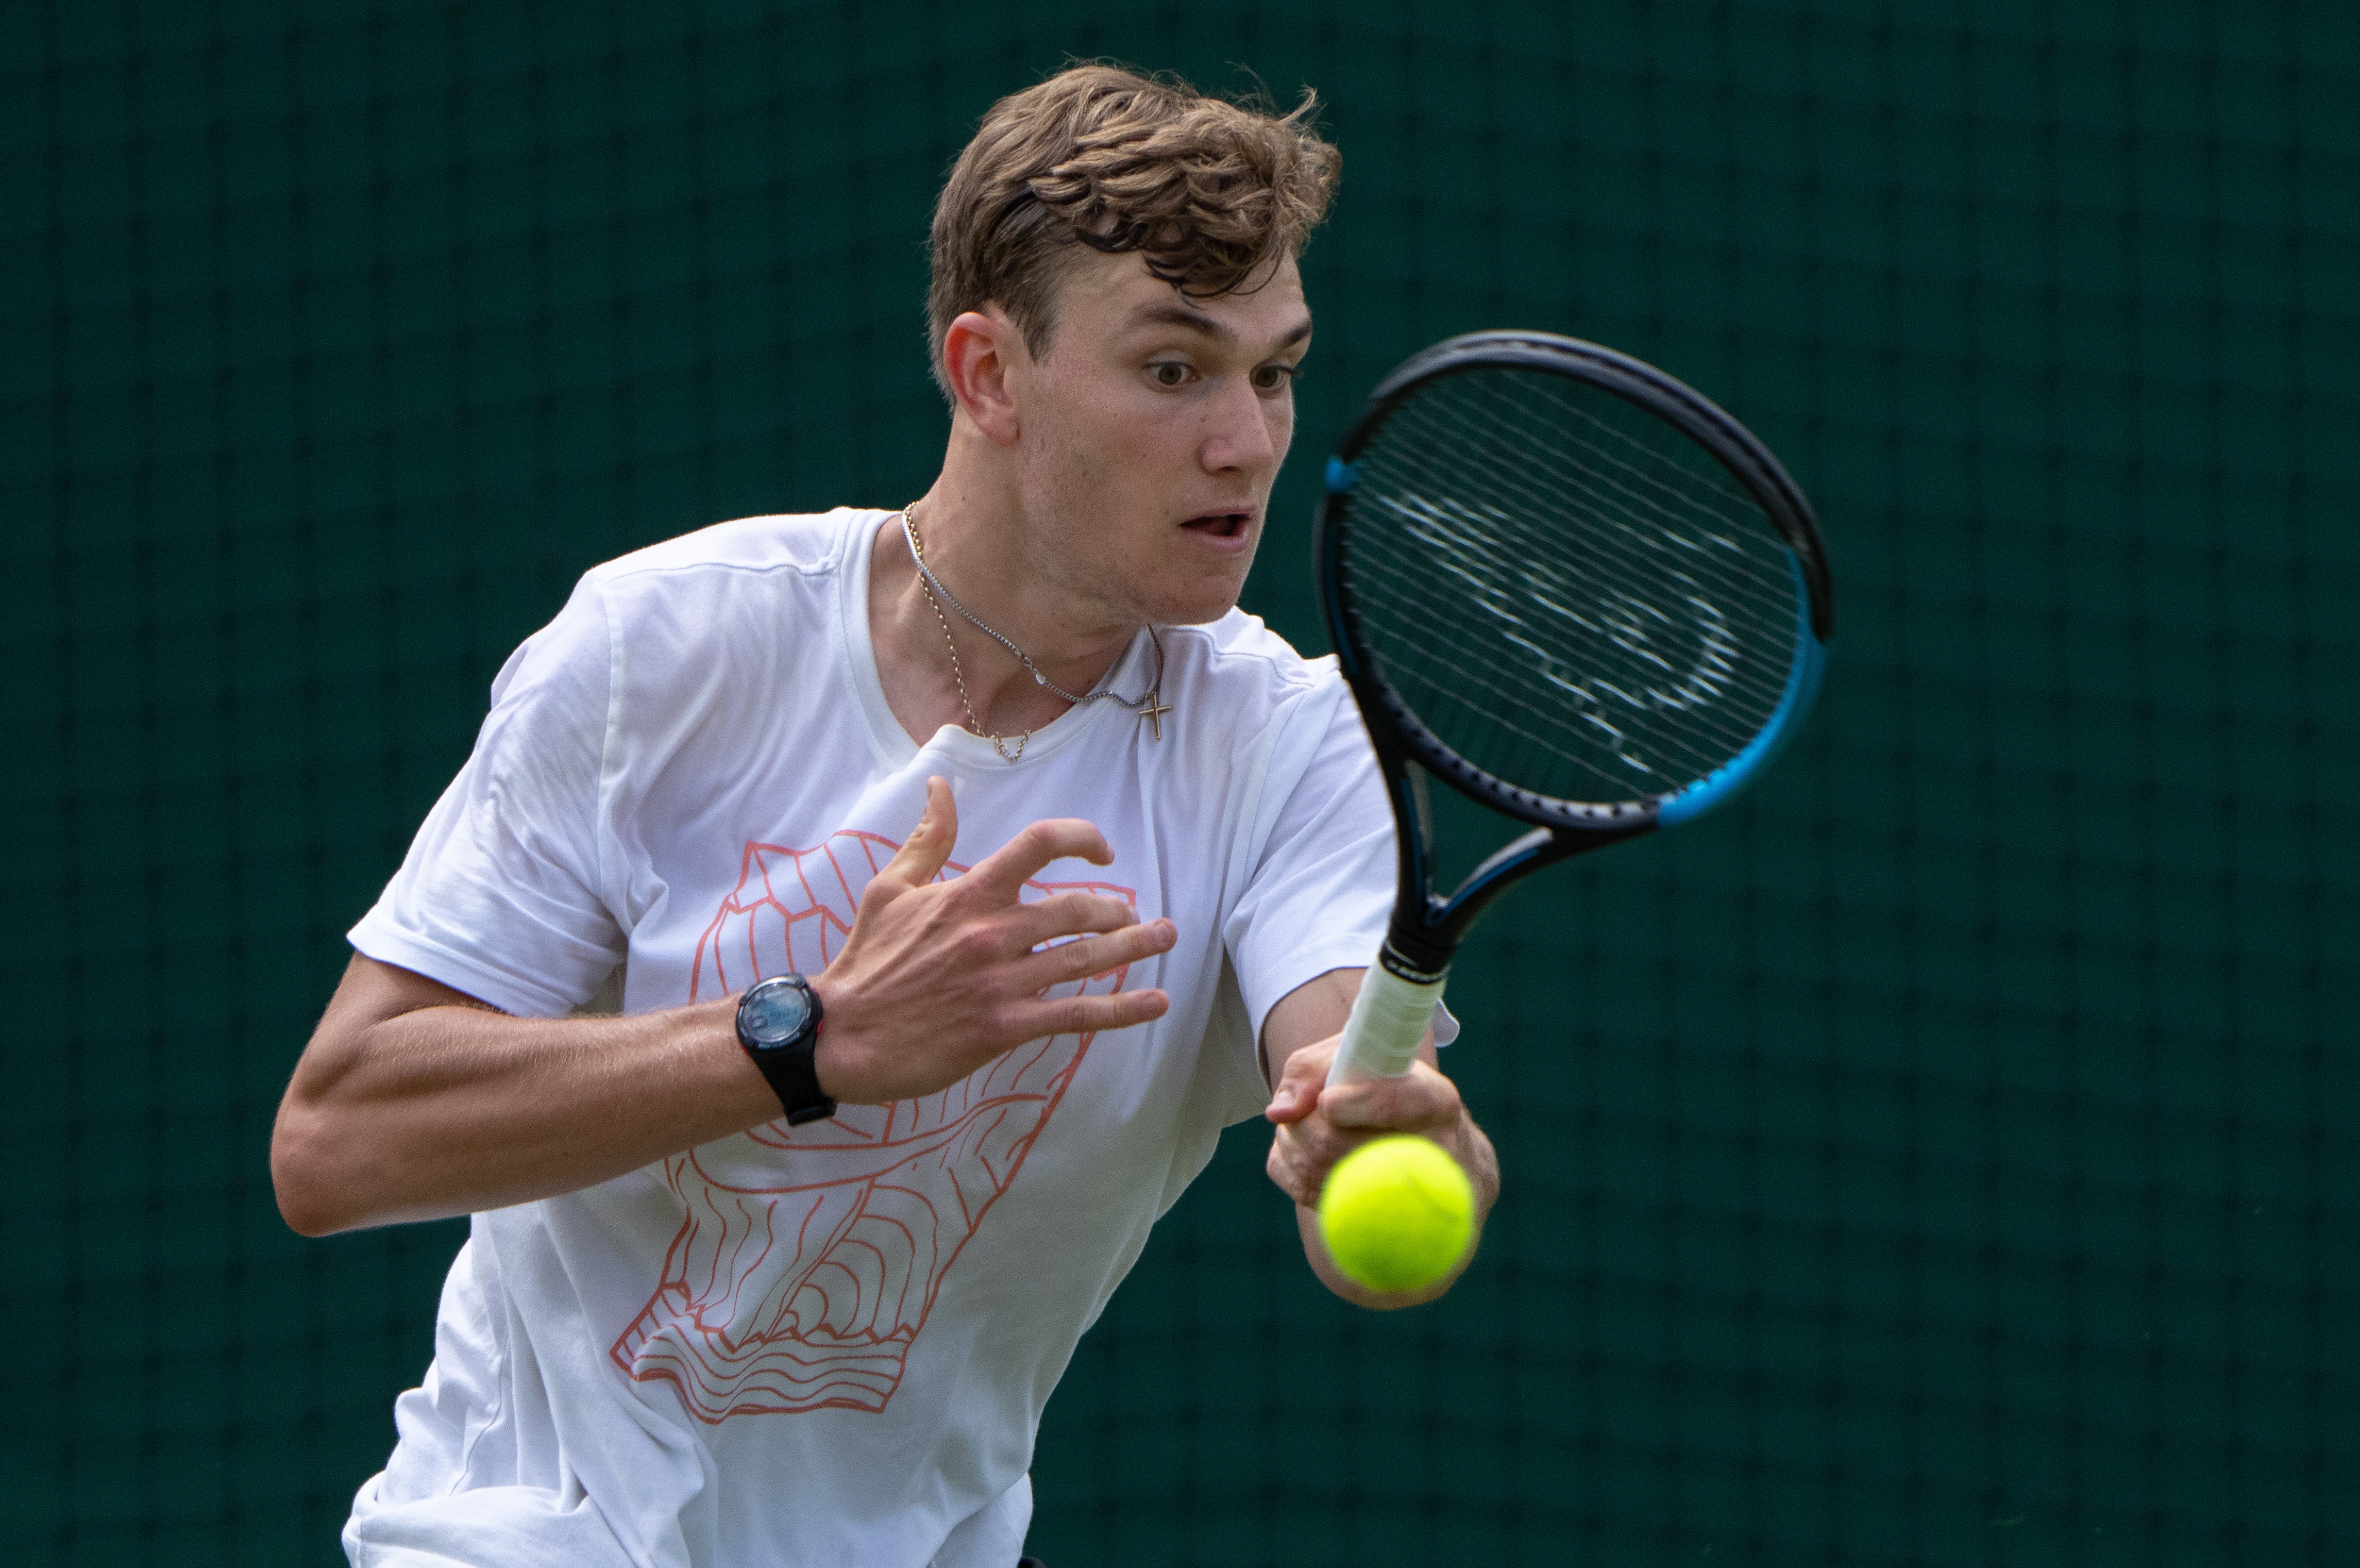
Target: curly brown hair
1208,190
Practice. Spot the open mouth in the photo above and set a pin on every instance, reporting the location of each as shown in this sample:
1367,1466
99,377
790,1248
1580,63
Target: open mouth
1220,524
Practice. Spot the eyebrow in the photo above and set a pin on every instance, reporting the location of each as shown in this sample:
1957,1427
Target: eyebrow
1221,331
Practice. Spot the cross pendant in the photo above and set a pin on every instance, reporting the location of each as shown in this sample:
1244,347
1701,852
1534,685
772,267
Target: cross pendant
1153,714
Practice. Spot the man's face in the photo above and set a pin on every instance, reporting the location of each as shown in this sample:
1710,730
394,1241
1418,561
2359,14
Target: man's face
1152,429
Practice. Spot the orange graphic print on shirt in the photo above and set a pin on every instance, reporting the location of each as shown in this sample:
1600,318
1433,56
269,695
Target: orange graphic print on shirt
809,1257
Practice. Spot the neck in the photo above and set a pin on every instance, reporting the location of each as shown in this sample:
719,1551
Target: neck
980,554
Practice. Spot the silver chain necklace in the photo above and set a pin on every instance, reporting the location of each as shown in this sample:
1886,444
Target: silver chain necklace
1146,707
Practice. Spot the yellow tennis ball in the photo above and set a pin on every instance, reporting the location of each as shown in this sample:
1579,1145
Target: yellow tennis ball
1397,1213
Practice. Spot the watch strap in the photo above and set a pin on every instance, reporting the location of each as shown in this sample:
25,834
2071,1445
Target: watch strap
791,1067
793,1071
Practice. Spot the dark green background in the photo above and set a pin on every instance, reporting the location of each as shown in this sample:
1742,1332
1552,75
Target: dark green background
1947,1156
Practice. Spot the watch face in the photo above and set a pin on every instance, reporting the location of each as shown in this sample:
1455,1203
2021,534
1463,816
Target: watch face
774,1011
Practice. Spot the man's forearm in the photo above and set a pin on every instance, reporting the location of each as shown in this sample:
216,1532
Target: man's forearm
416,1103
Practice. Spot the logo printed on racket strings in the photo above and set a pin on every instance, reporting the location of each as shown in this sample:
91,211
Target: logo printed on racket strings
1543,611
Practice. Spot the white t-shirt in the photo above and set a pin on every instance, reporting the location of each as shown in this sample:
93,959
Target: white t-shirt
831,1344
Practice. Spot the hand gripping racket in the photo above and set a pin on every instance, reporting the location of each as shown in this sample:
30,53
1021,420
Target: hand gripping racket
1574,590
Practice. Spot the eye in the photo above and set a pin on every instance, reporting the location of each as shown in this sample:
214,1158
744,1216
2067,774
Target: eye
1272,377
1169,373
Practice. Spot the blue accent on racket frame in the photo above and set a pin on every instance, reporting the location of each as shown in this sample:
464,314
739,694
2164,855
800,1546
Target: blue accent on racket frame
1341,476
1802,686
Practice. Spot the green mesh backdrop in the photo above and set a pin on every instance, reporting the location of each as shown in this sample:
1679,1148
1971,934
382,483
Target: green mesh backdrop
1948,1156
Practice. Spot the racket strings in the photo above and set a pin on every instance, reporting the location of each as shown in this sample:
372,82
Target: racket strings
1584,709
1597,721
1513,697
1648,498
1707,489
1651,501
1572,593
1688,758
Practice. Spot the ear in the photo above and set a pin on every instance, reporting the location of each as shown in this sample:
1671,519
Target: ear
984,358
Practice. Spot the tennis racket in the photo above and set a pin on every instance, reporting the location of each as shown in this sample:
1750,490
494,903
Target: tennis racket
1575,591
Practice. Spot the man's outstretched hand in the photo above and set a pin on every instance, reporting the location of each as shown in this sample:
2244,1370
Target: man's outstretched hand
1315,1125
937,978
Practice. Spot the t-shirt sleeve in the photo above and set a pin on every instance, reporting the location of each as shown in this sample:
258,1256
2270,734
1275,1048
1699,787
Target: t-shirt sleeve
1322,885
499,896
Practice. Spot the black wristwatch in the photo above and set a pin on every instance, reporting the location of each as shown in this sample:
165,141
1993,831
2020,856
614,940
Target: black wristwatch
778,1023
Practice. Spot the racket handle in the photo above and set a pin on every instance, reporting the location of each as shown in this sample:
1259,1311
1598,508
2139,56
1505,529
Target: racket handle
1389,1021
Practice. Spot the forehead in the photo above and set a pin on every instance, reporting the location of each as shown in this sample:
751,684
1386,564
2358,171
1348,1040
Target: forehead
1110,296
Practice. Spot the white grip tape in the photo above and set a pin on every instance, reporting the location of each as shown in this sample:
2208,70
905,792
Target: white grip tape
1389,1019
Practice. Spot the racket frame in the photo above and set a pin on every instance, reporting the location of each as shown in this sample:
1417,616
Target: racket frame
1427,927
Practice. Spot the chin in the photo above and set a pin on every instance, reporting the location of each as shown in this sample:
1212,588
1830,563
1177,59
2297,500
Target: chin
1198,606
1201,597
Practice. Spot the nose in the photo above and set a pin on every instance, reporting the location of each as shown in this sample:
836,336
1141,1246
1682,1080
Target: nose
1240,432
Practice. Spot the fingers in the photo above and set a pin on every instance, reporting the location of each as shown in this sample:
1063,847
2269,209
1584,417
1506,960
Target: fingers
923,854
1307,1145
1040,1017
1293,1171
1095,955
1068,914
1299,1082
1420,1099
1302,1153
1002,875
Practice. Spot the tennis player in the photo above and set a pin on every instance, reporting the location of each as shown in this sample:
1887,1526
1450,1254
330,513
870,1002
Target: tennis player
967,868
